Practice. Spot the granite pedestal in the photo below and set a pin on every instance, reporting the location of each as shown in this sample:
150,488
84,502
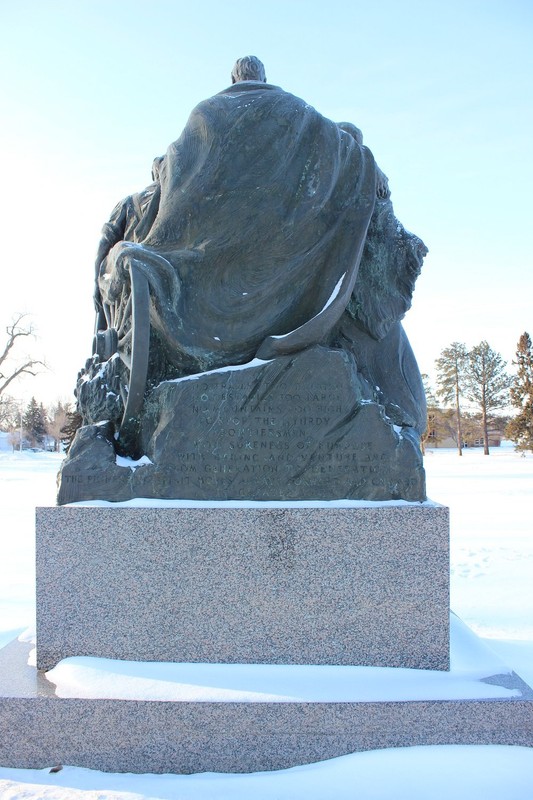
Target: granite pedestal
364,584
354,585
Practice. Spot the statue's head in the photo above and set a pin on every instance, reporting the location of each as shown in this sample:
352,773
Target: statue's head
248,68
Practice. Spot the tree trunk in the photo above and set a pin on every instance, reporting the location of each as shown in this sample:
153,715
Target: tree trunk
459,430
485,425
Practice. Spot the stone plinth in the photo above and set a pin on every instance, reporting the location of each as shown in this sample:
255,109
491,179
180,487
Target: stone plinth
365,585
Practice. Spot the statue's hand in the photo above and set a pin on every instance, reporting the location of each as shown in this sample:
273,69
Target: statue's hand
382,185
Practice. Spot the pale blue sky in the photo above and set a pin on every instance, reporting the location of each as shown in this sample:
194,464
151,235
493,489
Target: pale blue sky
94,89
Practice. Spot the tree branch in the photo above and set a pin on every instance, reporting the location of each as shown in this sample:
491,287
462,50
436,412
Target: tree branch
14,332
25,369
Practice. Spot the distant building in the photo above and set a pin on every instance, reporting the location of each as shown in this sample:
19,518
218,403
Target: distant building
441,430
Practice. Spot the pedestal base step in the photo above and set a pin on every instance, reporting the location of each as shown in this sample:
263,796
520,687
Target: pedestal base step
38,729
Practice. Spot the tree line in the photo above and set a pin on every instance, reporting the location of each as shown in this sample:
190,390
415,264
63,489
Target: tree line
32,425
478,377
37,427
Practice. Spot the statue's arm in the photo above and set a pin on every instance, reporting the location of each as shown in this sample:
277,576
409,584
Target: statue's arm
112,232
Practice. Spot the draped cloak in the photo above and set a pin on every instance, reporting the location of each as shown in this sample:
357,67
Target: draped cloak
252,246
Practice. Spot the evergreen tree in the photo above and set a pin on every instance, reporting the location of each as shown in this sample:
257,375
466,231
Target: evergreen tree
34,422
68,431
520,428
486,384
451,367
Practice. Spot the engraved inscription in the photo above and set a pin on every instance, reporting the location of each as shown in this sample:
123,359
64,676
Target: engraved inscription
271,432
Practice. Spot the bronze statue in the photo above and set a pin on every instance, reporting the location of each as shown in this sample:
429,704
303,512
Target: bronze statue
267,230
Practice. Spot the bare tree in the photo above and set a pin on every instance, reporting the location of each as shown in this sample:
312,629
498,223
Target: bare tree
10,369
9,413
58,417
15,439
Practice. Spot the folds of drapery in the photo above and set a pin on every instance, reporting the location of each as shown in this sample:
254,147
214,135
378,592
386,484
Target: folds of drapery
253,245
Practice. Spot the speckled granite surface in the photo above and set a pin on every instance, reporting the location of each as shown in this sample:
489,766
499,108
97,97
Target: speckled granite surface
366,585
38,730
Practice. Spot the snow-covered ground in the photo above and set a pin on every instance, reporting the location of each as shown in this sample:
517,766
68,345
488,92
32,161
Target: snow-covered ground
492,591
